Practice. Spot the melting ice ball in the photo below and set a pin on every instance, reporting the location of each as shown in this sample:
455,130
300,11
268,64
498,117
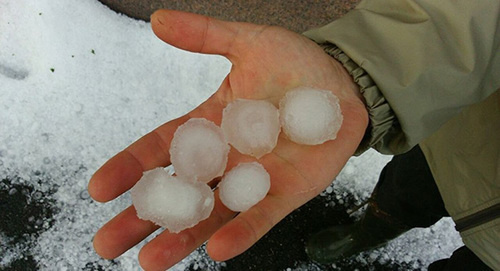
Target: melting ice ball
251,126
310,116
244,186
199,150
171,202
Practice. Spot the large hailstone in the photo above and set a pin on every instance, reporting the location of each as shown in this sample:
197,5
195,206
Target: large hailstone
310,116
244,186
199,150
251,126
171,202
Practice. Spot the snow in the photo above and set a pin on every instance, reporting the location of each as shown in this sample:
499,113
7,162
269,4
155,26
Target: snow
171,202
78,83
310,116
244,186
199,150
251,126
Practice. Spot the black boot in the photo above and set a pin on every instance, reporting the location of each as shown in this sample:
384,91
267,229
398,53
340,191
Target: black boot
373,230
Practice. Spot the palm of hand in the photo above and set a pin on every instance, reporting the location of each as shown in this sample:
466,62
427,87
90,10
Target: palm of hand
267,62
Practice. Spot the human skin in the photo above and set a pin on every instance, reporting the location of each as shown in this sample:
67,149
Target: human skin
266,62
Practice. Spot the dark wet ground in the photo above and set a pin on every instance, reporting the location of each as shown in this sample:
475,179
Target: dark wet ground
28,212
24,213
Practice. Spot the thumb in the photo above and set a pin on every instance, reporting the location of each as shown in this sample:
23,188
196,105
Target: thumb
193,32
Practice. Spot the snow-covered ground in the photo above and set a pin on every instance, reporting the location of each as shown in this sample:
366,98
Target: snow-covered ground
78,83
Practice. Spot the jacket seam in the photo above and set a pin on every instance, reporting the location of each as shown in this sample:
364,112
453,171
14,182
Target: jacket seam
479,218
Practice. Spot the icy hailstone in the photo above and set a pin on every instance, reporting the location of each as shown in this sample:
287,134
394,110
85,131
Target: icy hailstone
310,116
251,126
199,150
244,186
171,202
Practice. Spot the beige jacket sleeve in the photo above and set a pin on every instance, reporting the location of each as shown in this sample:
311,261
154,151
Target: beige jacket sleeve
428,59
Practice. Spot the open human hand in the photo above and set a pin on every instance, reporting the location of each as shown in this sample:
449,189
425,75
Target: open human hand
266,62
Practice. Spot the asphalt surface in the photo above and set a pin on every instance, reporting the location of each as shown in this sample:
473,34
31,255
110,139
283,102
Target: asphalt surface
294,15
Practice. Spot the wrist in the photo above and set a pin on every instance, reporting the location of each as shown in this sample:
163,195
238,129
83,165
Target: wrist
381,116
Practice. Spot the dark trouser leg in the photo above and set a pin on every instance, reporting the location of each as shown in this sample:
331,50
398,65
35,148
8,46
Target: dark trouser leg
406,196
407,191
394,207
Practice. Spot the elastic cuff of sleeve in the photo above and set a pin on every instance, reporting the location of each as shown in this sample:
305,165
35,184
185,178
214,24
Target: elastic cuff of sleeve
382,118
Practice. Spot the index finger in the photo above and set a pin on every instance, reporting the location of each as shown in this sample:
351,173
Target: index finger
122,171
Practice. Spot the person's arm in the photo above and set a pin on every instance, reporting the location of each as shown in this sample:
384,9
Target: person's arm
428,60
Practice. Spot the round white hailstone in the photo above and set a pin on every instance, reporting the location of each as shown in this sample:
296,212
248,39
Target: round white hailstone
171,202
244,186
199,150
310,116
251,126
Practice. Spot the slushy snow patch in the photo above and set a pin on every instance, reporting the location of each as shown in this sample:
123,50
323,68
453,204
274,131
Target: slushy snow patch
171,202
251,126
244,186
310,116
199,150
